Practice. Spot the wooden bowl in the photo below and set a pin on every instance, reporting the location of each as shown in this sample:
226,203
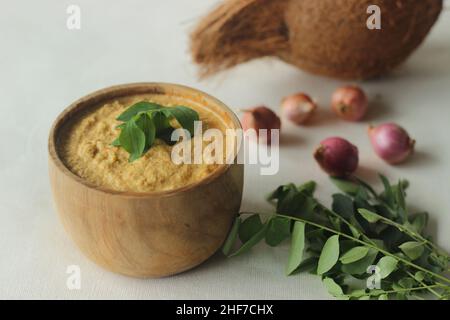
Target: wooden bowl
152,234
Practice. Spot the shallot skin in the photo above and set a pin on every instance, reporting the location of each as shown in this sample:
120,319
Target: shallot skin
298,108
350,103
259,118
337,157
391,142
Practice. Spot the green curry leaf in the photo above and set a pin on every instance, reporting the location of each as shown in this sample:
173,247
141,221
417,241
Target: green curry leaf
145,121
132,139
329,255
185,117
297,247
142,106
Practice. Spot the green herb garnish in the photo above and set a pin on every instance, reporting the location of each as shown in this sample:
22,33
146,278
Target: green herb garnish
365,237
144,121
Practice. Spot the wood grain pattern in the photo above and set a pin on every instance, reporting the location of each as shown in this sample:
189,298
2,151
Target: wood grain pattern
145,234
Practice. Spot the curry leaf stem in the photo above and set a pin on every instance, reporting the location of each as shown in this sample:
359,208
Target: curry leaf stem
387,253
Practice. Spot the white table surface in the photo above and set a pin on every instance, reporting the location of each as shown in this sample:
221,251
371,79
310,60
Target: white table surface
44,67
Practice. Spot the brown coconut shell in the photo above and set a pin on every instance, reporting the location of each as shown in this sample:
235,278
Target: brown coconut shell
327,37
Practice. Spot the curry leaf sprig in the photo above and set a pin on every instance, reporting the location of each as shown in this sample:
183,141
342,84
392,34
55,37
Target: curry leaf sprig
145,121
366,246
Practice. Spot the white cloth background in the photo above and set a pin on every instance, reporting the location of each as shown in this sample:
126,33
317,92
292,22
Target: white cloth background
44,67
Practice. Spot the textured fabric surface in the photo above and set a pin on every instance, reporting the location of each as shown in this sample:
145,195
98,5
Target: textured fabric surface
44,67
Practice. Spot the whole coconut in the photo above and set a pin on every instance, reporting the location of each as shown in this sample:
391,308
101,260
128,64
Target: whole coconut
328,37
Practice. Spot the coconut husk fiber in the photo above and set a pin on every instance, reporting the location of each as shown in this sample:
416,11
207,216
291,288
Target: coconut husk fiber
327,37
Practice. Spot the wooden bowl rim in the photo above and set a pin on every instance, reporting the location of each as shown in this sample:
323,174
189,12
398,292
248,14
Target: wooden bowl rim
108,93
